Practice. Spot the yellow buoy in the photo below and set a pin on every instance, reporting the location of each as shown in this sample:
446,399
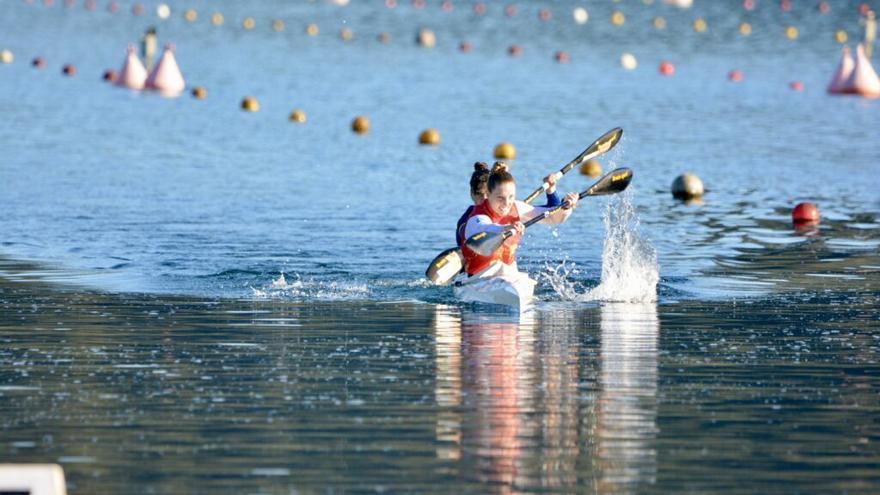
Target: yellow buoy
297,116
505,151
791,32
617,18
248,23
659,22
6,57
217,19
429,137
346,34
199,92
312,29
426,38
190,15
699,25
745,29
591,168
360,125
250,104
277,25
841,36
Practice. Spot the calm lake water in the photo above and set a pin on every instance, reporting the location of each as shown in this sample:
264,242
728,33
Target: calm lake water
198,299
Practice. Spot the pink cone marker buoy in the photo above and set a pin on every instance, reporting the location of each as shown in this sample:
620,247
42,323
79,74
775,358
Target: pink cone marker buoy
863,79
166,75
133,73
841,75
805,213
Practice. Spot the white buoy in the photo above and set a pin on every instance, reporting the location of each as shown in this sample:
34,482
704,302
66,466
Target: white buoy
166,76
841,75
133,74
863,79
628,61
580,15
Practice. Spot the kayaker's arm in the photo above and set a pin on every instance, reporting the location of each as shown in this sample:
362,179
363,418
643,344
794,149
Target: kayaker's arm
528,212
482,223
553,200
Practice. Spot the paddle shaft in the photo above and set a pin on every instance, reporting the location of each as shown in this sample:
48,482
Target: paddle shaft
600,146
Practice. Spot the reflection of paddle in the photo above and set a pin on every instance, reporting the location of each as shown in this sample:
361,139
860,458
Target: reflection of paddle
486,243
449,263
600,146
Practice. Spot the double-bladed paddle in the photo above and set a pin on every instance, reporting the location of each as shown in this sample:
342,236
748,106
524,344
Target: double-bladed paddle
449,263
613,182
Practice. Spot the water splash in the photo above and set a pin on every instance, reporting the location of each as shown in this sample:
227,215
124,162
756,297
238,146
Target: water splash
630,271
311,290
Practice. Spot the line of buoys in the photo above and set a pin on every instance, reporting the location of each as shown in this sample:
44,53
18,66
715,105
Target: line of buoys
687,186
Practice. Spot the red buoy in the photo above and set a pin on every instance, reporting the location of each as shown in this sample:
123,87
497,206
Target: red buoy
749,4
544,15
823,7
562,57
864,8
464,47
805,213
137,9
480,8
514,50
735,76
391,3
666,68
110,75
796,86
418,4
113,7
38,62
785,5
510,10
68,70
90,4
447,6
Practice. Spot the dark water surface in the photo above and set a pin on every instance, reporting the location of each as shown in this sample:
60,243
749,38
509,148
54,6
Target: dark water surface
198,300
174,395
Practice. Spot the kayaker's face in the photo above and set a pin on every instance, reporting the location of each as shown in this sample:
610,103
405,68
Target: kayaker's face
501,199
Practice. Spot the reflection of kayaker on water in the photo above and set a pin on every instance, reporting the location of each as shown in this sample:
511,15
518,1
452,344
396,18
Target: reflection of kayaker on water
498,212
479,192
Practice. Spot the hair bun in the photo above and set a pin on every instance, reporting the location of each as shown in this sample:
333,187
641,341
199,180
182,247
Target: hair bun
499,167
481,167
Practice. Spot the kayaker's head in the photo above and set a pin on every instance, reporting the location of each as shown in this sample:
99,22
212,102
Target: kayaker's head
502,189
479,190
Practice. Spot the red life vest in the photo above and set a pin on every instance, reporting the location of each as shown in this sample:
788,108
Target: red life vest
473,262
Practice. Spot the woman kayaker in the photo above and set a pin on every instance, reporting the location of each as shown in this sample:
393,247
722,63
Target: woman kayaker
501,211
479,191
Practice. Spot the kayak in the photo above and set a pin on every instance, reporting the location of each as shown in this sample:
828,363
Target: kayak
507,287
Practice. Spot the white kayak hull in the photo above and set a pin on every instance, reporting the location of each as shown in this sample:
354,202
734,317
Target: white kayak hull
516,291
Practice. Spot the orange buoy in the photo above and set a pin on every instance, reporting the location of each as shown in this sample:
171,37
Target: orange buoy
68,70
250,104
514,50
199,92
429,137
805,213
796,86
562,57
735,76
297,116
360,125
